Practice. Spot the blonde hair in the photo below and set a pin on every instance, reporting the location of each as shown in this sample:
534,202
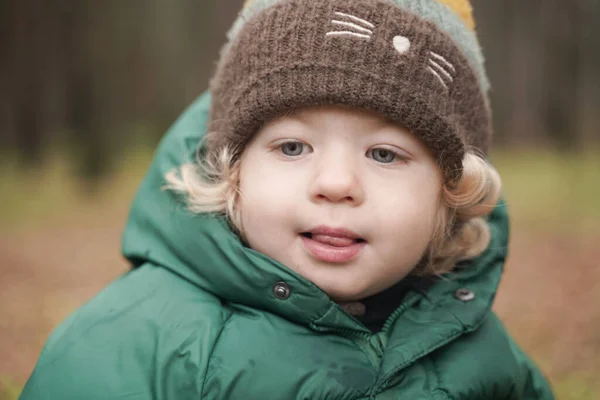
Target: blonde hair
211,185
462,232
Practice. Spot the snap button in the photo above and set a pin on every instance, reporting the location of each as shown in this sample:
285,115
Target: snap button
464,295
281,290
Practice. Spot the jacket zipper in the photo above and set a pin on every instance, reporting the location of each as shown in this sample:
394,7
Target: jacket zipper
386,327
403,307
365,340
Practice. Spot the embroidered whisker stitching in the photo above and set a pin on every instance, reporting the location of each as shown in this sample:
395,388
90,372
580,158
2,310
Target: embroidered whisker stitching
442,70
355,18
438,76
339,33
439,57
350,24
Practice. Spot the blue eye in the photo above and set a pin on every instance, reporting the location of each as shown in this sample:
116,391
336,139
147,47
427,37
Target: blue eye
293,148
382,155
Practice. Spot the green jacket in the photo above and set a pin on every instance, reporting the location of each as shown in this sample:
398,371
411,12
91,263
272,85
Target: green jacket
197,318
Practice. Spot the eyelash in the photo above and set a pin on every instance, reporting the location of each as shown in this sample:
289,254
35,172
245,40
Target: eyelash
397,156
296,142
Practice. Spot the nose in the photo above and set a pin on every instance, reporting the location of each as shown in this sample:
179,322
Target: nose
336,180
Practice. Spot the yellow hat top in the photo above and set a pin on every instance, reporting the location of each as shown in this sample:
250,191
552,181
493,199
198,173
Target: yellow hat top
463,9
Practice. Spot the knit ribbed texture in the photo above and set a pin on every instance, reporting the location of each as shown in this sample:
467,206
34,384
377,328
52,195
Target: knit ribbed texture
430,10
377,56
461,7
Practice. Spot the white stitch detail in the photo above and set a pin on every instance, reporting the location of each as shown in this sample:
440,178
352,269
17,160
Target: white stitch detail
355,18
442,70
401,44
339,33
350,24
438,76
443,60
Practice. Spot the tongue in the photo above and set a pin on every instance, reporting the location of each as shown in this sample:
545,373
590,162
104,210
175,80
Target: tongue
334,241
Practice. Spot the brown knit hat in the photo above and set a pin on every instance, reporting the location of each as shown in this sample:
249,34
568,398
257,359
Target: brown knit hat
370,54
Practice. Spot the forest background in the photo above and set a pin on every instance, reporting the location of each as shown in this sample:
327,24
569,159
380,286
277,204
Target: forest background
87,88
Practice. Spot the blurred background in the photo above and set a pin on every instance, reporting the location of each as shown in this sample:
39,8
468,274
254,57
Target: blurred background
87,88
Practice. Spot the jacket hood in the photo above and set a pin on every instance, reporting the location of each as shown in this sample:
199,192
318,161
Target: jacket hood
203,250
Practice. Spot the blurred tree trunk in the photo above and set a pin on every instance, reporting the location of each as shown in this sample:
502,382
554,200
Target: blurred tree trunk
27,29
590,76
561,73
542,58
493,20
6,128
81,84
523,72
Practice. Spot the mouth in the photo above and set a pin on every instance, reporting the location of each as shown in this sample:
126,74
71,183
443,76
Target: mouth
337,241
332,245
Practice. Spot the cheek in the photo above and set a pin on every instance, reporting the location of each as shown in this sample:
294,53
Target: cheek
268,199
412,211
267,188
261,175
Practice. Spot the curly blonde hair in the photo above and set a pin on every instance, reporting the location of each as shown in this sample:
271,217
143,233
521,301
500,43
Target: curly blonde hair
211,185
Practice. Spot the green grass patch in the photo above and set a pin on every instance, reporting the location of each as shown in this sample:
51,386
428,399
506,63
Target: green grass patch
9,390
53,193
550,190
576,387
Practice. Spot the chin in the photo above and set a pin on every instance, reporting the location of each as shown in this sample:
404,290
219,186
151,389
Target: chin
346,293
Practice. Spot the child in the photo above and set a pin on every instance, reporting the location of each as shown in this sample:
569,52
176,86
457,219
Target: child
339,244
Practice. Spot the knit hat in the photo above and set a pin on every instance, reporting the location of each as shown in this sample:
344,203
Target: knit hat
415,62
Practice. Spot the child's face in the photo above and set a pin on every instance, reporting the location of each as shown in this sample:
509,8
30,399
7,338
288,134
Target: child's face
341,196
